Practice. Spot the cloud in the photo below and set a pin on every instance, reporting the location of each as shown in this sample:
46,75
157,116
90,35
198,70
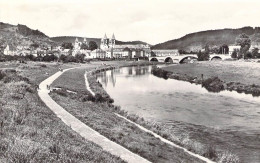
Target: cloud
153,21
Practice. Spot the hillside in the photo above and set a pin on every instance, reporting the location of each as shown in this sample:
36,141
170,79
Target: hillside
71,39
196,41
22,35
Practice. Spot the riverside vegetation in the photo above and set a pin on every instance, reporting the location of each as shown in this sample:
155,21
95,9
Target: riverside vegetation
29,131
216,76
99,114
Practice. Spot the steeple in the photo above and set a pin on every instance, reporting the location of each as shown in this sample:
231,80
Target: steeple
76,40
105,37
113,37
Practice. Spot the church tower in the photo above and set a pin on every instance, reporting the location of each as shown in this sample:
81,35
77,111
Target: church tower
104,42
112,41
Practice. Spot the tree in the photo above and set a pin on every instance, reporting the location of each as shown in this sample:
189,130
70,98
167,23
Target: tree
255,53
84,46
244,41
234,54
92,45
215,49
223,49
67,45
80,57
248,54
203,56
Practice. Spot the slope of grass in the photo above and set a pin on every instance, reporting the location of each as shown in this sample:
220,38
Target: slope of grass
30,132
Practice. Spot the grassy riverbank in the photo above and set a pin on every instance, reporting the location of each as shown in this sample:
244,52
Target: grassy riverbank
29,131
240,76
100,116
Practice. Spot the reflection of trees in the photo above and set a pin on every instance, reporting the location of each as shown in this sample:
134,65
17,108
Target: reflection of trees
103,77
141,70
113,78
130,71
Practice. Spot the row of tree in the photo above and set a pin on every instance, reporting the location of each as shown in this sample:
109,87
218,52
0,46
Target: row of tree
242,40
46,58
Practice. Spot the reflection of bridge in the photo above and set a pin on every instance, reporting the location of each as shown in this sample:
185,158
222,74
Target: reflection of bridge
182,58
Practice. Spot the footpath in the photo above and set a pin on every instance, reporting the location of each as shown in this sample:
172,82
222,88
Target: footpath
81,128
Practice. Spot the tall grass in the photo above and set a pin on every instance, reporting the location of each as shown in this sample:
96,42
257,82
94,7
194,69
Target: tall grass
30,132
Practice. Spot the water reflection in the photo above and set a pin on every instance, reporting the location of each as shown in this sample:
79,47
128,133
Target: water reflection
136,90
110,76
233,117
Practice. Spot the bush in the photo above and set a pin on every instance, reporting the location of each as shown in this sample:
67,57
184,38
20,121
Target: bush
248,55
234,54
2,75
203,56
61,92
99,98
213,84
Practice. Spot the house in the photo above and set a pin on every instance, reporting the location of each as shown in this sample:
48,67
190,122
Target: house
10,50
97,53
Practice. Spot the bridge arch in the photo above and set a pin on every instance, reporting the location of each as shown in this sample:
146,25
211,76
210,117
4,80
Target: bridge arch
187,57
215,57
154,60
168,60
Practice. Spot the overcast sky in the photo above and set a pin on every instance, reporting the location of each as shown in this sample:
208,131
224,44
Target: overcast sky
153,21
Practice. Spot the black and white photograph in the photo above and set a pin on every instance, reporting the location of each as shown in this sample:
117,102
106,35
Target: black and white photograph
138,81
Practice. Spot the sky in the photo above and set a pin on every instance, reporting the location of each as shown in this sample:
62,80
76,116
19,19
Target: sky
152,21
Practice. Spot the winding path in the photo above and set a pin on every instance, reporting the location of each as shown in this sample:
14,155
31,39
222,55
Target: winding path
81,128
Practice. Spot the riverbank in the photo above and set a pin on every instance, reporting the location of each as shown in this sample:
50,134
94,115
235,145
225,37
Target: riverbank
216,76
29,131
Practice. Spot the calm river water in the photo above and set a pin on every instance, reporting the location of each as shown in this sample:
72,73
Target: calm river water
229,120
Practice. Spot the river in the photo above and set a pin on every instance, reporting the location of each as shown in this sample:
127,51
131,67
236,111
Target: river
229,120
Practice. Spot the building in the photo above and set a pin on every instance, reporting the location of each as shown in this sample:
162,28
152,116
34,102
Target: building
123,51
233,48
77,47
165,52
97,53
9,50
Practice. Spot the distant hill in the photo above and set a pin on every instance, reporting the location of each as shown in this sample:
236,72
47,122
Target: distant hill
196,41
15,35
71,39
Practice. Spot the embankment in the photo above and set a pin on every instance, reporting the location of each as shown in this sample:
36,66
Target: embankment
211,83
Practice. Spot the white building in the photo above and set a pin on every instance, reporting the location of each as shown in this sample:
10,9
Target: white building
9,50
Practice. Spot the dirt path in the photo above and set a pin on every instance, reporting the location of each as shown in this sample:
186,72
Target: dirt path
81,128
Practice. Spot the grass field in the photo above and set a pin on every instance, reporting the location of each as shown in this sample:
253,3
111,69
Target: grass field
29,131
228,71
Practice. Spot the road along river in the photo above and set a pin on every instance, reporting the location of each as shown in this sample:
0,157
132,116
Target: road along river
228,120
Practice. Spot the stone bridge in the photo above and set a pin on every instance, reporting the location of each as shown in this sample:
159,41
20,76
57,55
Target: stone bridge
181,58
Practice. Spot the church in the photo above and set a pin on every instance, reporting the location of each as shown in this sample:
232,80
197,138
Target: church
108,45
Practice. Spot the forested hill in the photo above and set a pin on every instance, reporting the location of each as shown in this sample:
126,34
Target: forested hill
196,41
22,35
97,40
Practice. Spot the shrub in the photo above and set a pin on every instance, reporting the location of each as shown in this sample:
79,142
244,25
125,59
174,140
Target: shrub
210,153
2,75
99,98
234,54
203,56
61,92
213,84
